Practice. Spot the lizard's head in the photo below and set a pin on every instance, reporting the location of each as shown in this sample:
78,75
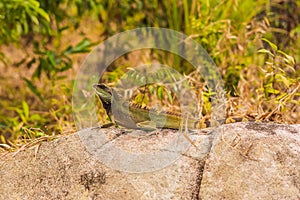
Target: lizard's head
104,92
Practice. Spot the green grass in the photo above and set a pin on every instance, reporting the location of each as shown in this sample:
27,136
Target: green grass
42,52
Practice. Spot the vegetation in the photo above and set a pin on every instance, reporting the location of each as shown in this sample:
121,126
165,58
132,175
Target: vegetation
255,45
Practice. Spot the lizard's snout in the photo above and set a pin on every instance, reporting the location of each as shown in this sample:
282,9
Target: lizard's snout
102,89
95,86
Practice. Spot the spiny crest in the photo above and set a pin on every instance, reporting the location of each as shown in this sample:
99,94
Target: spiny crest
139,106
135,105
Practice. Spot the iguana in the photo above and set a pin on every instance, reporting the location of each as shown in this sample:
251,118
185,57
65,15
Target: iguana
134,116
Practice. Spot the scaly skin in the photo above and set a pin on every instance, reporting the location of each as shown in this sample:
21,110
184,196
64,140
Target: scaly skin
135,117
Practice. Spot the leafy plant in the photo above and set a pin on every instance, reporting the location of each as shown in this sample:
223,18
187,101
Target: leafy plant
230,31
52,63
20,17
280,80
23,121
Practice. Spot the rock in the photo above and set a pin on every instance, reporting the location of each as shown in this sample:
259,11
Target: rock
253,161
67,169
236,161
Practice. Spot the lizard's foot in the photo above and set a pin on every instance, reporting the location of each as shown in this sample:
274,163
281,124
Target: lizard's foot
125,130
203,131
147,125
148,134
107,125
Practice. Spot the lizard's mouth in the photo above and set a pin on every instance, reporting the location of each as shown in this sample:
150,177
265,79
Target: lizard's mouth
104,92
101,88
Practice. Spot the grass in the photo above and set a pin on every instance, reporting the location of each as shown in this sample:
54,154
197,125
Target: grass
261,77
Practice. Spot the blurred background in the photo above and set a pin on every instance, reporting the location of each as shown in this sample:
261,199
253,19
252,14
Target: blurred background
254,43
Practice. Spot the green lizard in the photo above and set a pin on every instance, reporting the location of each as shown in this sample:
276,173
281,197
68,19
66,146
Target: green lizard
133,116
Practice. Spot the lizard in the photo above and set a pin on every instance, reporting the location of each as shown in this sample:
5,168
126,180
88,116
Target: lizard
140,118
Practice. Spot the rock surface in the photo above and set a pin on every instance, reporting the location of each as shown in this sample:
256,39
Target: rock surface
254,161
236,161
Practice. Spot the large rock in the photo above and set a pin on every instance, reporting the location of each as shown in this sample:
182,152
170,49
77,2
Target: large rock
254,161
245,161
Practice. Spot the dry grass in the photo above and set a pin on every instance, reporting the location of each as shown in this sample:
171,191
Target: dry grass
235,55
